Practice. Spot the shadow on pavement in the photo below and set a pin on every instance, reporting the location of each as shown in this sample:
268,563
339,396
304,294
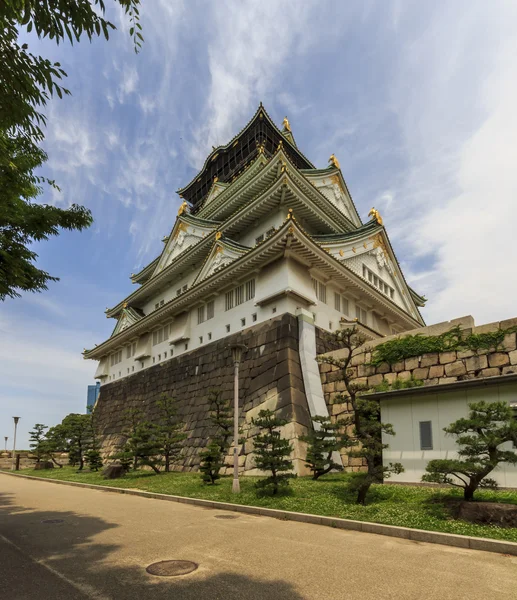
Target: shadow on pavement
65,545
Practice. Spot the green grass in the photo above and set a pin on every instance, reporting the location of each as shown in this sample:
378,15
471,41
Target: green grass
404,506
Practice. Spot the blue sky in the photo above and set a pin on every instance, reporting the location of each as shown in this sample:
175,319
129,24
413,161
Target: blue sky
415,99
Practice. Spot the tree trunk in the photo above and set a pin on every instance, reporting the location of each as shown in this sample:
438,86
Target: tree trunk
167,463
361,494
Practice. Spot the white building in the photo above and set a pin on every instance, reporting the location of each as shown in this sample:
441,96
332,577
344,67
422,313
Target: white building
260,232
419,415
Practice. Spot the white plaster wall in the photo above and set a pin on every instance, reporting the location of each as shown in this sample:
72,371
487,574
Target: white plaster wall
274,219
441,408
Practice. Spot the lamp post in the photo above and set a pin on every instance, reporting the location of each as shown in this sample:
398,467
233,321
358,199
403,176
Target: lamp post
6,438
237,350
13,462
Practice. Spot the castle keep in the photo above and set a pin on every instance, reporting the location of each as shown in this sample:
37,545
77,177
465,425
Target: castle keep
266,250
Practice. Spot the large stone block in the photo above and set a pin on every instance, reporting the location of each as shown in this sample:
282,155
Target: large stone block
509,342
436,371
412,363
490,372
421,373
404,375
390,377
374,380
447,357
476,363
509,323
398,366
455,369
498,359
383,368
513,357
429,359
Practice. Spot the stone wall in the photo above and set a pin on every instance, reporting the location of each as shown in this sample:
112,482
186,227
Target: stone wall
27,460
270,377
433,369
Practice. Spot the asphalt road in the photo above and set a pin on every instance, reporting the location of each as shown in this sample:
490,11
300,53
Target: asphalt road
103,542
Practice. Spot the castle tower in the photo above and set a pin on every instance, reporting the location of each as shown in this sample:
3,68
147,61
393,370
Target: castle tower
267,250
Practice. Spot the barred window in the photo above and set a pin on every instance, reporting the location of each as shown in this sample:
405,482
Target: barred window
337,301
322,289
378,282
201,314
228,300
250,289
160,335
345,306
361,315
210,310
259,239
239,295
270,231
315,285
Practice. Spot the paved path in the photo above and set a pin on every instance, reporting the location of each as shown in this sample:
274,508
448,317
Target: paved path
105,541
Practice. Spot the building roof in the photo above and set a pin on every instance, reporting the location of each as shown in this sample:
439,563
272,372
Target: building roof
225,161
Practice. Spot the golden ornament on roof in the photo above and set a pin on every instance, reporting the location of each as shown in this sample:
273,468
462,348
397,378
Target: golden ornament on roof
334,161
376,215
182,208
286,125
216,179
124,305
218,235
290,214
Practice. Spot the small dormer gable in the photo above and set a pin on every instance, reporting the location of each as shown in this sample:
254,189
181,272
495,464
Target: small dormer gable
186,232
222,254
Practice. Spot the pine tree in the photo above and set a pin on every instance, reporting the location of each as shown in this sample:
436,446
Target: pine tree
324,439
212,458
37,441
76,431
479,436
169,430
93,456
365,441
272,452
141,441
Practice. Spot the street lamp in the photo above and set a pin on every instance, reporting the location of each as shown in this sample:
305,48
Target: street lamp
13,462
6,438
237,350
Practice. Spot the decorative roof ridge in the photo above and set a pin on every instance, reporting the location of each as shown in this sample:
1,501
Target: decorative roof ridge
287,229
220,198
229,144
333,170
368,227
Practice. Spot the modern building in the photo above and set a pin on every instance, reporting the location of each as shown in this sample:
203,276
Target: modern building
260,232
92,395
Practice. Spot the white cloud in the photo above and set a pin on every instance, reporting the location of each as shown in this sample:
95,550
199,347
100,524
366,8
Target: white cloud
128,83
456,98
244,63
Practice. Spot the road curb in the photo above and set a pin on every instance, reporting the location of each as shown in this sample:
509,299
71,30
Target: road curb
416,535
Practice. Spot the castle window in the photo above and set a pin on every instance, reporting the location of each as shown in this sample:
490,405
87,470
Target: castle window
274,310
178,292
159,357
345,306
185,288
254,317
186,346
259,239
154,359
250,289
201,314
228,300
209,336
210,310
337,301
227,329
133,369
162,302
243,322
239,295
165,355
160,335
320,289
200,339
156,306
426,435
270,231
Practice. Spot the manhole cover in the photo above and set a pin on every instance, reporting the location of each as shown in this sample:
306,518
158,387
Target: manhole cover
172,568
53,521
226,517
